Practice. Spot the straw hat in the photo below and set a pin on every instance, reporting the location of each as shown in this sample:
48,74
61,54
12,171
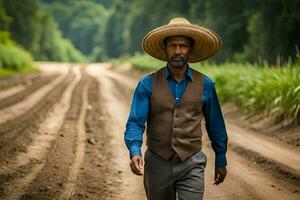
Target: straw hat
207,42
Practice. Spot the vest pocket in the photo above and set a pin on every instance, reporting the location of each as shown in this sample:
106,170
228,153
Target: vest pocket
196,142
193,140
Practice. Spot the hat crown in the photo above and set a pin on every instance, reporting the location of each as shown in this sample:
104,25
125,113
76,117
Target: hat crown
179,20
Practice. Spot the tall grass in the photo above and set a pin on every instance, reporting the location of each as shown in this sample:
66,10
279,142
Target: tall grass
266,89
13,58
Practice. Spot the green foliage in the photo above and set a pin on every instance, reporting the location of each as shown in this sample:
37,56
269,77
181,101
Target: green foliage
5,20
83,23
272,90
114,42
23,70
129,22
274,31
253,31
36,31
5,39
105,3
25,26
13,59
146,63
54,47
230,22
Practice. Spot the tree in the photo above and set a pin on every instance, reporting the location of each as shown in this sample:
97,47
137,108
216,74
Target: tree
83,22
274,31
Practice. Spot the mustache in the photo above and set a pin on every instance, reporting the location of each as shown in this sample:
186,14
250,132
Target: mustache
177,58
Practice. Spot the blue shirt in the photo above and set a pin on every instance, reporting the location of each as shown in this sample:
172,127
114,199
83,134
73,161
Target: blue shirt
214,121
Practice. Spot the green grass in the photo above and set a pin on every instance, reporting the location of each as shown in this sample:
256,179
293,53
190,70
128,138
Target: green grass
13,59
9,72
269,90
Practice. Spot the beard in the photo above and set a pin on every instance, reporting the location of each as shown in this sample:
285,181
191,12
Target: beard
177,61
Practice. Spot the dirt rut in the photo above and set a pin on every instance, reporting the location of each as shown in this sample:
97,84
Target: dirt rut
23,169
18,93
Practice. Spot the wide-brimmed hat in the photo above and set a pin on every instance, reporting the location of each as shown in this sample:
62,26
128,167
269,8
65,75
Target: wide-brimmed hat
207,43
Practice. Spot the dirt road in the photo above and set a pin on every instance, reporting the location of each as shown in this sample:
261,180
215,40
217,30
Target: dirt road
61,137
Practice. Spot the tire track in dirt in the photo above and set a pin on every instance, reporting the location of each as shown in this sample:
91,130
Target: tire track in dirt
272,168
48,129
19,93
267,148
18,80
262,125
28,164
52,180
11,91
20,108
70,185
99,178
244,180
118,113
16,134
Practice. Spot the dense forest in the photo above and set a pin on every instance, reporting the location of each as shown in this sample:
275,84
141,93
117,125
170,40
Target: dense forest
96,30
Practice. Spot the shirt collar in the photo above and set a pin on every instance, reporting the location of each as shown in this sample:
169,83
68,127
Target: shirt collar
188,74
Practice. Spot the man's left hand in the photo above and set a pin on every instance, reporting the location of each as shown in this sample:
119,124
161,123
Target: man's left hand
220,173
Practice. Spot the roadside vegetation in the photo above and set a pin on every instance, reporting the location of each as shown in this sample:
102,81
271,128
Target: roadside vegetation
13,58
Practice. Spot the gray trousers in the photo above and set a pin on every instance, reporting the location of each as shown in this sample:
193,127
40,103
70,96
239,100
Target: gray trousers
166,179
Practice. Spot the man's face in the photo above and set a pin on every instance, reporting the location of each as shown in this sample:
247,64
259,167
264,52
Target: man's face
178,50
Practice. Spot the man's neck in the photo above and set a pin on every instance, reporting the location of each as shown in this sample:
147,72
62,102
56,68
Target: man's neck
178,73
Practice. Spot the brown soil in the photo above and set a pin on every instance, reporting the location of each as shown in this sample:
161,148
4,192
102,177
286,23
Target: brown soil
51,181
99,176
16,134
275,169
262,125
34,85
28,79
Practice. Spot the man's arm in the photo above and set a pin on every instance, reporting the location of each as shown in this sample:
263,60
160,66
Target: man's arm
135,126
216,129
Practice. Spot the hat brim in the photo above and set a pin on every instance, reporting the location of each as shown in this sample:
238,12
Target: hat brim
207,43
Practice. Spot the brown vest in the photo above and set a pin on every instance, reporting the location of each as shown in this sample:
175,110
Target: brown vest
175,127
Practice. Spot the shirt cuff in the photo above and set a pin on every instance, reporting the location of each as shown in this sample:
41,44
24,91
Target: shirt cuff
135,150
220,160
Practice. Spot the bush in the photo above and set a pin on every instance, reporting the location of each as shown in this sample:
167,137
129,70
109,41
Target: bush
13,58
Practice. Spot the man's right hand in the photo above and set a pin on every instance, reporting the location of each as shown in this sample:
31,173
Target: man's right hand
137,165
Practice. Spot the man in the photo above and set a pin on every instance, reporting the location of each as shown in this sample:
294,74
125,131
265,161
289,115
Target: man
173,101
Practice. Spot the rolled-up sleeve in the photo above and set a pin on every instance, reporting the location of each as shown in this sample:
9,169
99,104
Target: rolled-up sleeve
138,115
214,123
